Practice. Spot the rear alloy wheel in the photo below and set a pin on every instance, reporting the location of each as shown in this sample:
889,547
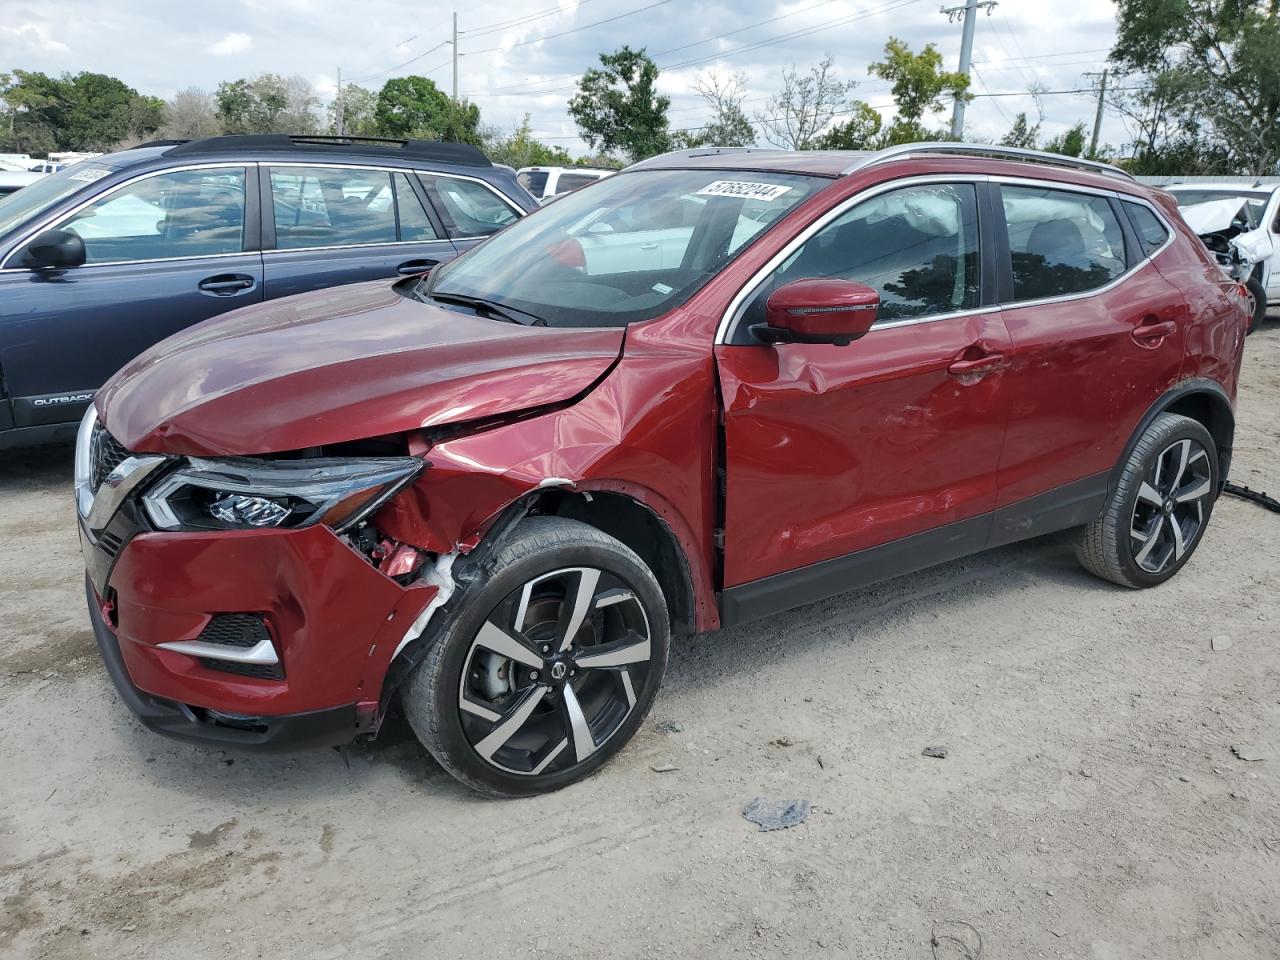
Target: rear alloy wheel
1160,507
551,667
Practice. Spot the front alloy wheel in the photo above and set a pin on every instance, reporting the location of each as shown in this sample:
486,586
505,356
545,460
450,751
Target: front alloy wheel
549,668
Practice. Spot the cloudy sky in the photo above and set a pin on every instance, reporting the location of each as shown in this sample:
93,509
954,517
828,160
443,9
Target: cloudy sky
521,56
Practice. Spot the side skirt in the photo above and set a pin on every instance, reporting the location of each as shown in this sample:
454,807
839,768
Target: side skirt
1072,505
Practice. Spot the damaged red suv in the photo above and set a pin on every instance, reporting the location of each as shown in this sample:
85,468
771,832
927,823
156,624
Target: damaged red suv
720,384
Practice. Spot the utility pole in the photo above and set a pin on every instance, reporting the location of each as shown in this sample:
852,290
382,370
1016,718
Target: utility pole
1097,117
970,14
455,56
337,110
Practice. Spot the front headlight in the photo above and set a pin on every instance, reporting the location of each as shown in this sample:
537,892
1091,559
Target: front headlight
249,494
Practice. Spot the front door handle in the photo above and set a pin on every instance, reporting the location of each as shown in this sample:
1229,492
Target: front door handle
412,267
1152,329
979,365
226,284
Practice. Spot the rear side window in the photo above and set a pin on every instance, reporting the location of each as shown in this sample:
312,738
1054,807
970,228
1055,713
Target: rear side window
191,213
1061,242
535,181
1151,232
472,209
572,181
414,222
331,207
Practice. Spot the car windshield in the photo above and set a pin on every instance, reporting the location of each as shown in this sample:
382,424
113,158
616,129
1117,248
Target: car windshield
631,248
19,207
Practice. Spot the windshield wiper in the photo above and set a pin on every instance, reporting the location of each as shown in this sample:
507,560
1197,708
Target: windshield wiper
487,308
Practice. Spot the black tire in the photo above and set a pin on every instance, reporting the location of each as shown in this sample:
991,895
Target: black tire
1112,547
541,565
1259,295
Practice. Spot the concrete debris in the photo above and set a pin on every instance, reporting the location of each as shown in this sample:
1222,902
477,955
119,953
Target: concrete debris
1220,642
1252,752
938,753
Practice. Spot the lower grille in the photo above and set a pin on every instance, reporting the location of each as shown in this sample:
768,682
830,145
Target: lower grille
259,671
241,631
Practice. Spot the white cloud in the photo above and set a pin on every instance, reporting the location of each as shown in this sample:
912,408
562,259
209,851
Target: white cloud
30,36
232,44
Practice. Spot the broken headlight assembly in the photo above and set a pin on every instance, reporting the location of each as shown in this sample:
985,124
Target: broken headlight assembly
243,493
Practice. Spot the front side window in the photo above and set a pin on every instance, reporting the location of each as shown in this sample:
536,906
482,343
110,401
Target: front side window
631,248
332,207
1061,242
472,208
916,246
188,213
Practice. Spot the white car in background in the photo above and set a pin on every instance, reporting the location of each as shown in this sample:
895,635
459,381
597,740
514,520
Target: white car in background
1251,214
547,182
14,175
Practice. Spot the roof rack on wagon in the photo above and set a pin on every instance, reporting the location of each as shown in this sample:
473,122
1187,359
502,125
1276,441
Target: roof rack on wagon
434,150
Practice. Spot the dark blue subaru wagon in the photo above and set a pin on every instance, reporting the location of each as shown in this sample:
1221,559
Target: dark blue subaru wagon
111,255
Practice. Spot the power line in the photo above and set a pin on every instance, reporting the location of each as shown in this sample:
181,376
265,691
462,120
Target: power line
565,33
520,21
398,66
556,83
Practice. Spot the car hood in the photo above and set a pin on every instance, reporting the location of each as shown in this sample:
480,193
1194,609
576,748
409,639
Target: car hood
341,364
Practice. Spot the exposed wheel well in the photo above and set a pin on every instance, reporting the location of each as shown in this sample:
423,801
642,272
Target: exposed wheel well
1214,414
644,532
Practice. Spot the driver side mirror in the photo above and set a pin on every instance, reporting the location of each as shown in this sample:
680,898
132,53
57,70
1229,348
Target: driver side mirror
818,310
55,250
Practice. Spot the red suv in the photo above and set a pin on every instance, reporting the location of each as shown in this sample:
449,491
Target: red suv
720,384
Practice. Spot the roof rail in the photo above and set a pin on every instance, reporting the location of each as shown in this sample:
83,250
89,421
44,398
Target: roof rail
691,152
438,150
984,150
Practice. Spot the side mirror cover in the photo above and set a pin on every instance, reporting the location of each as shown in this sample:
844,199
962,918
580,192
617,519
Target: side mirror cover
819,310
55,250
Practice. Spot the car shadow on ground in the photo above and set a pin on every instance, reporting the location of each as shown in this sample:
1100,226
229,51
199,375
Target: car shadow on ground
36,467
694,663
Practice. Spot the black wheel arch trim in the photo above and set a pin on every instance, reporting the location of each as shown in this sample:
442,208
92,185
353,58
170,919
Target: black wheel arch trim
1220,404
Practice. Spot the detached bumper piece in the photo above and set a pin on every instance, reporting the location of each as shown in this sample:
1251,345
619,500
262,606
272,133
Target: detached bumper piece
320,728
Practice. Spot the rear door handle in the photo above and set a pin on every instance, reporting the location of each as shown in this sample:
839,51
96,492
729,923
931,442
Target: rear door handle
985,364
1154,329
226,284
412,267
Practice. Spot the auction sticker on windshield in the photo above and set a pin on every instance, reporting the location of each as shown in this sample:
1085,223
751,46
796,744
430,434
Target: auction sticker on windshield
766,192
89,174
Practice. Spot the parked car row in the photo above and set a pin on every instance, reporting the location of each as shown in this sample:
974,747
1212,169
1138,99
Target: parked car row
546,183
110,255
719,384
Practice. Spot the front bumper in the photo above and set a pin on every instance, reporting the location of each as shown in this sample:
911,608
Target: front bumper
334,620
319,728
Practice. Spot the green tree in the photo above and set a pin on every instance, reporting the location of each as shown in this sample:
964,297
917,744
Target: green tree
1022,133
358,108
1213,68
520,148
100,111
414,107
1070,143
31,103
862,131
618,108
921,88
268,103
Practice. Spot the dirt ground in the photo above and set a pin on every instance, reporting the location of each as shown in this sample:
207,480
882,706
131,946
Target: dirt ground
1090,806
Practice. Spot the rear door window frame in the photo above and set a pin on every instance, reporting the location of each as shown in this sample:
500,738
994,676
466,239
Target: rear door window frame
268,219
